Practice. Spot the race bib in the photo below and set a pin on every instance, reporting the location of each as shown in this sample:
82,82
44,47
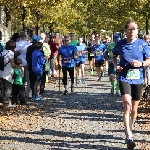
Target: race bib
91,54
99,53
67,60
133,74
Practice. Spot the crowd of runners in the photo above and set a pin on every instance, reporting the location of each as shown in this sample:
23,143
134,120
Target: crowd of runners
32,61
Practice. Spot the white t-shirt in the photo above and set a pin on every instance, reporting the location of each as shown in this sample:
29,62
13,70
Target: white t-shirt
22,45
47,47
8,70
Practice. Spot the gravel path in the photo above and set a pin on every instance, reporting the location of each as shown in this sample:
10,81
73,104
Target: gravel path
89,118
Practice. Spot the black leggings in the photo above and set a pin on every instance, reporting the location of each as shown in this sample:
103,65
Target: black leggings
71,74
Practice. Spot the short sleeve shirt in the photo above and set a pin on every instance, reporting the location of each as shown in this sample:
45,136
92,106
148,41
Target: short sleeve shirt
8,70
67,53
100,49
110,48
18,79
80,49
22,45
127,52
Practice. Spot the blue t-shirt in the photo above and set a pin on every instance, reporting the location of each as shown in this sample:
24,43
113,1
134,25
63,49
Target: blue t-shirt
38,61
100,49
81,48
67,53
129,51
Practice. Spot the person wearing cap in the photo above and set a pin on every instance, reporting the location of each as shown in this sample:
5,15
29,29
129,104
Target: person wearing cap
54,53
30,50
130,68
111,68
21,47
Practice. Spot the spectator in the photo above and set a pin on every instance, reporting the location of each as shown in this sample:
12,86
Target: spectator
6,74
54,53
30,50
38,62
17,86
21,46
46,52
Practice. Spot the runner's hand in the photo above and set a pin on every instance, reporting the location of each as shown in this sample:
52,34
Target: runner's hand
118,68
136,63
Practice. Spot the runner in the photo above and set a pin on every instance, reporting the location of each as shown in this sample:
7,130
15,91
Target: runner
111,69
130,70
80,61
106,43
98,50
73,39
69,54
90,43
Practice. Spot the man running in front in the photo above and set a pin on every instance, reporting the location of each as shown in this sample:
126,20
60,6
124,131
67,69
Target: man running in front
69,54
131,51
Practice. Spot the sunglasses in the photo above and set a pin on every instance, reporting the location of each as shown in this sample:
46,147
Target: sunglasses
66,40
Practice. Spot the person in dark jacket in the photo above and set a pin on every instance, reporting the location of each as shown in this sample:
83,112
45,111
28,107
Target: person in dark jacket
30,50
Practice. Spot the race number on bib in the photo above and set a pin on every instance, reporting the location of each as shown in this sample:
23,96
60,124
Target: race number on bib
99,53
91,54
133,74
67,60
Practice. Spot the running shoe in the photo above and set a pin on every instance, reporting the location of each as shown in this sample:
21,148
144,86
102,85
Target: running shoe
65,92
33,97
102,74
99,79
118,94
92,72
130,144
79,81
83,81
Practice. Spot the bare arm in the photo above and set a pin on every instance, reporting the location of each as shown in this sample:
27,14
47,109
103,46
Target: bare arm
12,63
22,70
58,59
